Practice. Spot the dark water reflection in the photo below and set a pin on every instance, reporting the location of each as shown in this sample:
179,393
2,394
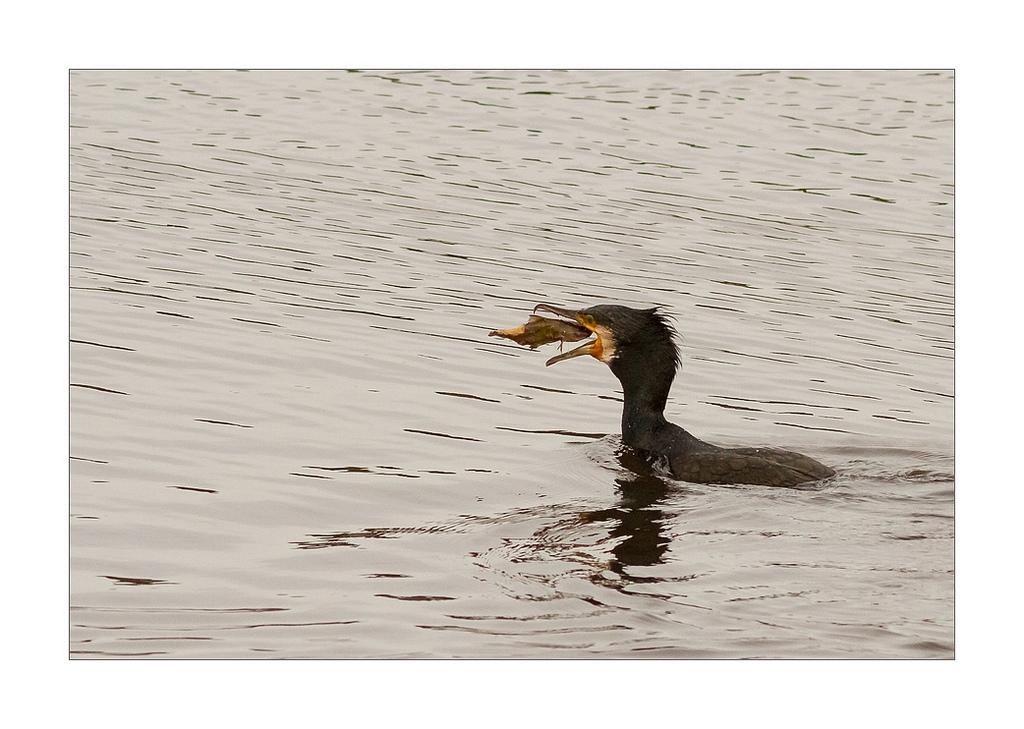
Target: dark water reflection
281,289
637,520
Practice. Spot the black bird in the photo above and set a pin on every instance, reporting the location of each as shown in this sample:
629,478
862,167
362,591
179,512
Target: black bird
638,346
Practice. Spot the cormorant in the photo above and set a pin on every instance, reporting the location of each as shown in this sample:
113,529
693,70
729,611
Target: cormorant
637,345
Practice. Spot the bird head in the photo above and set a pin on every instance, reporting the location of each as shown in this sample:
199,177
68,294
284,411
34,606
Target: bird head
625,337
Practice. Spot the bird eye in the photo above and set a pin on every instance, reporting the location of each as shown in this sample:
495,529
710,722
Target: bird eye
588,321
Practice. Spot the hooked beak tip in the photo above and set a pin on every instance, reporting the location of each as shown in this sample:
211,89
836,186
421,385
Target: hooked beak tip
567,313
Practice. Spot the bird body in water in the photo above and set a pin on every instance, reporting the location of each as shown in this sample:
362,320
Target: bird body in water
638,346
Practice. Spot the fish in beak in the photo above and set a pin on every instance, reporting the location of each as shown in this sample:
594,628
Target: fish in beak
595,347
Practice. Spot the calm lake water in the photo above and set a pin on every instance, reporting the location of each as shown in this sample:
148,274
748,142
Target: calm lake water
292,437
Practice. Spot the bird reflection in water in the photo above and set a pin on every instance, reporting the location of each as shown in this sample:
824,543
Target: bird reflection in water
637,519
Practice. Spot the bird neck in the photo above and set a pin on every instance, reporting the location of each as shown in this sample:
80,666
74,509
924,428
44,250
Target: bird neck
645,392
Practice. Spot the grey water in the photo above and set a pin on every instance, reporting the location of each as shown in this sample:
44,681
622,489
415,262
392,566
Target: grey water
292,437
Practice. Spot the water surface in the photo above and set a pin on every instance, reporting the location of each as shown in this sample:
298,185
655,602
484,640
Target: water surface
292,437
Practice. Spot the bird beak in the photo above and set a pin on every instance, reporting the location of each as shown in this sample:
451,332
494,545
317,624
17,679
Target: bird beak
567,313
592,347
587,348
